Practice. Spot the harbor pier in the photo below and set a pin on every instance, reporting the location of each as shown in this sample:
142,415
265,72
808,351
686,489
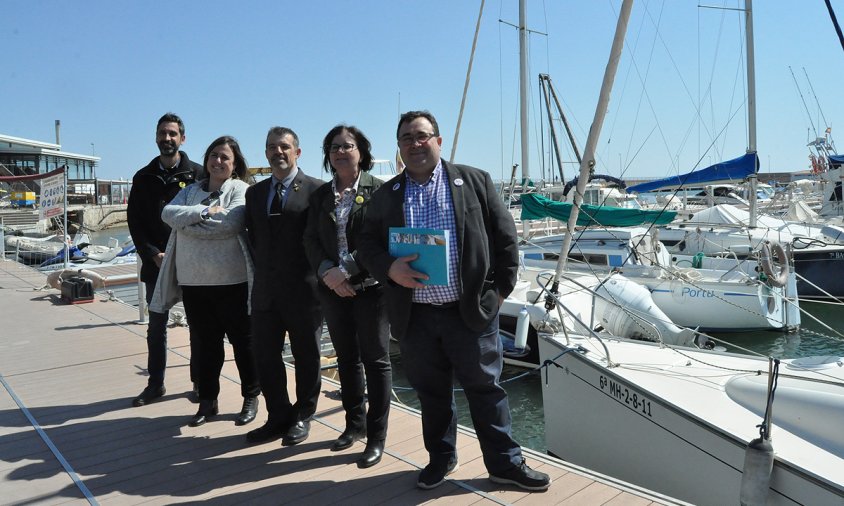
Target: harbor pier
68,433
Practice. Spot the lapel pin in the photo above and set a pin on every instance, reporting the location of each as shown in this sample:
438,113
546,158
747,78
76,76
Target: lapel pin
396,186
181,184
458,182
359,199
296,187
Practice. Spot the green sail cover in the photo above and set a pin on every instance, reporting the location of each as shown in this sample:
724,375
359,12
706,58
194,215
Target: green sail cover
536,207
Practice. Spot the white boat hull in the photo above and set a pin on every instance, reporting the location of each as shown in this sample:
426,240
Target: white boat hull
683,444
713,306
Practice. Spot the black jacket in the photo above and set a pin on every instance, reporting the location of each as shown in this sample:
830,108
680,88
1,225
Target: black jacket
282,272
486,242
152,189
321,232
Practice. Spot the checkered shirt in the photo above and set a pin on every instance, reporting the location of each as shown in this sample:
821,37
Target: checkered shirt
430,205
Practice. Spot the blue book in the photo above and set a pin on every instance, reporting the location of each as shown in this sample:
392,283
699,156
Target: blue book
432,246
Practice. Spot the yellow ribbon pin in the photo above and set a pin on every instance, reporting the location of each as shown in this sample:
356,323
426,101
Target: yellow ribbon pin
359,199
181,184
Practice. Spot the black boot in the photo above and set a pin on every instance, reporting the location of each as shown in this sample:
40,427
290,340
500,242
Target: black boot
207,409
248,412
372,454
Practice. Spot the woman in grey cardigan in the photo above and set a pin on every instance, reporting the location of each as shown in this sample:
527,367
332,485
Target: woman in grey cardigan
208,261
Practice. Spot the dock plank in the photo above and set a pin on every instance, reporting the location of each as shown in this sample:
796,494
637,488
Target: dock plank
75,369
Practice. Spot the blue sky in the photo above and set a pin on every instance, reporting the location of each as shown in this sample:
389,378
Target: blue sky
109,69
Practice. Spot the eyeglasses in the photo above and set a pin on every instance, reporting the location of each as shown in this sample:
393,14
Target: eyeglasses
421,138
347,147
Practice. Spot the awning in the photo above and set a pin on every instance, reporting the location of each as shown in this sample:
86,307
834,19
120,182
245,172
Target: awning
30,177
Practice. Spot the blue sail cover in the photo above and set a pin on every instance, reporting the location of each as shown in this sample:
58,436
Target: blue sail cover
736,169
836,160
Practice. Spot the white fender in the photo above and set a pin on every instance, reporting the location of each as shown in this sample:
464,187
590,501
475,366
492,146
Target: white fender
626,309
55,278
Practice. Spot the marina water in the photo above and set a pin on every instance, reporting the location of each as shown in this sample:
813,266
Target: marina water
525,390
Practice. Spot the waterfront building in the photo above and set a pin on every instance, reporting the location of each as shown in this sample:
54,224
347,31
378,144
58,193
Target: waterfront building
24,157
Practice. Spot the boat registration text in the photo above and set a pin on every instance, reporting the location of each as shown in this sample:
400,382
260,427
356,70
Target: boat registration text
632,399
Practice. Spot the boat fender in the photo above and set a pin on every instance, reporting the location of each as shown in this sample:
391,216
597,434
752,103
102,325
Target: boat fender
55,278
778,276
522,323
756,475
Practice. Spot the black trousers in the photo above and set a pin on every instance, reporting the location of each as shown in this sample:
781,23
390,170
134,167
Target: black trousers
214,312
360,333
303,325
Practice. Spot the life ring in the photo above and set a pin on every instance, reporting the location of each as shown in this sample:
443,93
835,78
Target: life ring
777,274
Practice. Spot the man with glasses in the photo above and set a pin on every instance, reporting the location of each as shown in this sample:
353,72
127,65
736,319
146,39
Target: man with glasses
452,330
152,188
284,298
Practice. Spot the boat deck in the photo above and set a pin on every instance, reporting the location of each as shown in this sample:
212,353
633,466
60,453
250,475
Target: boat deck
68,433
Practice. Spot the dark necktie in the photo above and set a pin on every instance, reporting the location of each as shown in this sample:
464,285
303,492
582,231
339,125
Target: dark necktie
275,205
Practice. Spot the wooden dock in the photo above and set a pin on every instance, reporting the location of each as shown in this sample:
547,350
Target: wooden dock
68,433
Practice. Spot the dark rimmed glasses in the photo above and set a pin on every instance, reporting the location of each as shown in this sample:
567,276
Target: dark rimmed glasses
420,138
347,147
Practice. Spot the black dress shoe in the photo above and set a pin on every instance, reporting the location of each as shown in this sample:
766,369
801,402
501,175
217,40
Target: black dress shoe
248,412
267,432
347,439
207,409
372,454
297,433
149,395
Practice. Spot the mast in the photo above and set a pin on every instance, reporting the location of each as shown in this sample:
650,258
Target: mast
523,89
545,83
594,132
751,104
466,85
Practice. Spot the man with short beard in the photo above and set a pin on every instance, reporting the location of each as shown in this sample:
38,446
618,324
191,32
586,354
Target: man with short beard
152,188
284,293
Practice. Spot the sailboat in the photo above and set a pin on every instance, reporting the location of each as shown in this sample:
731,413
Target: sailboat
704,426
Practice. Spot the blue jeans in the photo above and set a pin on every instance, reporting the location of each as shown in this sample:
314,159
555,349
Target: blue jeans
439,347
156,342
157,345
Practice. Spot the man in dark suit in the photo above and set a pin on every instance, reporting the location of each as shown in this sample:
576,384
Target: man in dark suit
451,330
284,299
153,187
